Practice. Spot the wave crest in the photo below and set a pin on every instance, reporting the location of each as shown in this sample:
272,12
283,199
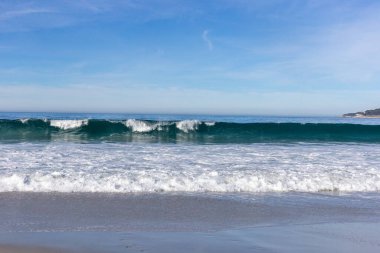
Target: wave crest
139,126
185,130
188,125
68,124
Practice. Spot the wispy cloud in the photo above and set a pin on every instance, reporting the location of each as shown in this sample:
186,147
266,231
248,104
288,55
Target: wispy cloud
207,40
19,16
22,12
344,54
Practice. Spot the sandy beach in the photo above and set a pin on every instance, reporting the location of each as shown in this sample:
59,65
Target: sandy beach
327,237
25,249
55,222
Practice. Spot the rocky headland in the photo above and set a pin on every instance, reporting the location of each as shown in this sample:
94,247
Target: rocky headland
366,114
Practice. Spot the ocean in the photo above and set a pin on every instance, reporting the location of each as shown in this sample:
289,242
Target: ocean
51,152
189,183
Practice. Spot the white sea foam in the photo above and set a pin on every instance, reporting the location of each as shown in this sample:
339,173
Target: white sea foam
210,123
66,167
142,126
188,125
68,124
23,121
184,125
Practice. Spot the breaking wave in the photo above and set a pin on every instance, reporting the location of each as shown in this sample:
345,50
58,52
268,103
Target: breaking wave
67,124
184,131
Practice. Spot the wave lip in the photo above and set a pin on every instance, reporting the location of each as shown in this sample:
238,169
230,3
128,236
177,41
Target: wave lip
23,121
141,126
68,124
188,125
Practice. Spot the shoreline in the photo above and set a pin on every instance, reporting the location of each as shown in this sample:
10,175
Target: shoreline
338,237
118,212
93,222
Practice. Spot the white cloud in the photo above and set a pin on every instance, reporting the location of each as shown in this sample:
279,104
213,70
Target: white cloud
207,40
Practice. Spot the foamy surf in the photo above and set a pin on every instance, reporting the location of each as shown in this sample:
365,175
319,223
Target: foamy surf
140,182
62,167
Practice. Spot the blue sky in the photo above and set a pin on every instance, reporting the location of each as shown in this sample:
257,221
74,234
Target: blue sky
285,57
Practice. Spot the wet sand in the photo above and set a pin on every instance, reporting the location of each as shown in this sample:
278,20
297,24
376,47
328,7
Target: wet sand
52,222
29,249
330,237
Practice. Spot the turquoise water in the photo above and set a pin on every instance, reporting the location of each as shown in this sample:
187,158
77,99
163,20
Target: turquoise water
198,129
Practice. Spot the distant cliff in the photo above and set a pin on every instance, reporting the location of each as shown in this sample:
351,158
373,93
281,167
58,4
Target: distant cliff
367,114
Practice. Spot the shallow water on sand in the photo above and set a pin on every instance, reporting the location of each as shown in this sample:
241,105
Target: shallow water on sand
291,222
52,212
